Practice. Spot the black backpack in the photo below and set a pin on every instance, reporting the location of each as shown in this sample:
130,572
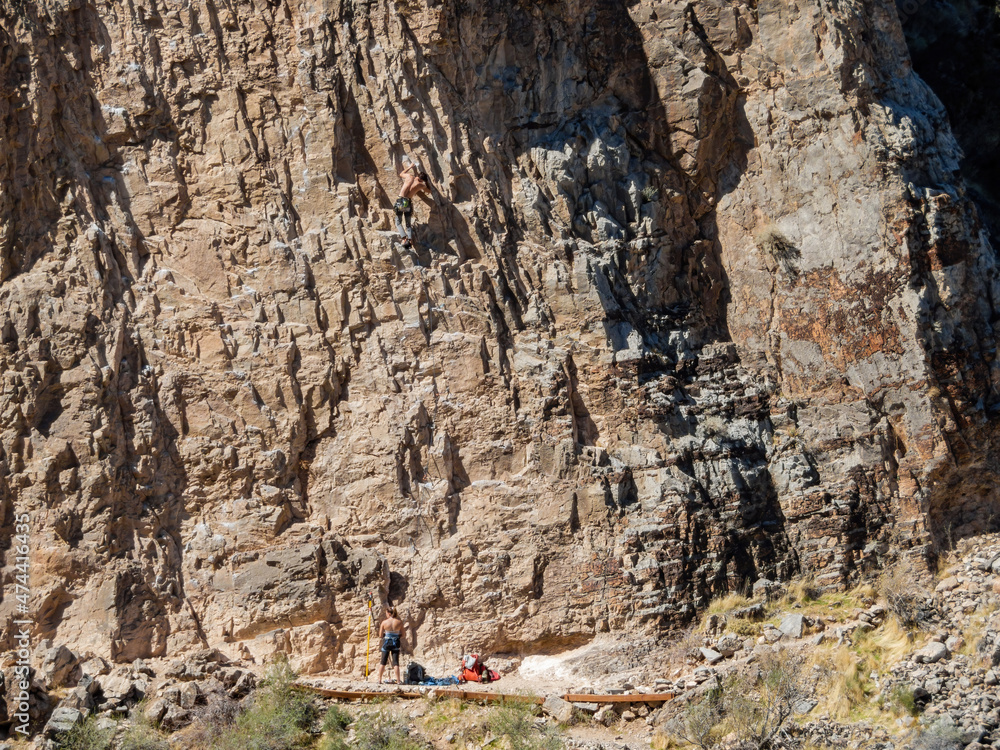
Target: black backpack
414,674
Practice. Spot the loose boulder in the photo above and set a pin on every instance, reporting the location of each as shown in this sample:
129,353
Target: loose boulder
932,653
606,716
58,666
791,625
62,720
711,656
559,709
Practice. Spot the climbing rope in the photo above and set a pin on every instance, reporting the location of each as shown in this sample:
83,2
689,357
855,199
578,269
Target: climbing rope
368,643
430,351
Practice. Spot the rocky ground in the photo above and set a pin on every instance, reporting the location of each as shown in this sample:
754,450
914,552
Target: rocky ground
947,662
869,679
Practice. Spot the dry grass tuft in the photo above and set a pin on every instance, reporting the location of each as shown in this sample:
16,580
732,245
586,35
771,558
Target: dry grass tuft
847,685
661,741
892,642
864,592
513,723
973,634
684,646
801,591
728,603
844,672
744,627
803,594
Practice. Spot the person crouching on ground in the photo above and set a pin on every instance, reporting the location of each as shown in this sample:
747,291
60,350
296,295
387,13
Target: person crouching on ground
413,183
391,633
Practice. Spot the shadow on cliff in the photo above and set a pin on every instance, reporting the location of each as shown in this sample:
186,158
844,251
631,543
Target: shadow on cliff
82,173
33,209
539,100
679,305
685,289
595,111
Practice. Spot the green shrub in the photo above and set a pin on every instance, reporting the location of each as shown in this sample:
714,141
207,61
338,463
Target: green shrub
383,731
902,698
86,736
279,686
757,706
650,193
336,719
939,737
276,719
516,722
699,725
334,741
141,735
335,724
744,627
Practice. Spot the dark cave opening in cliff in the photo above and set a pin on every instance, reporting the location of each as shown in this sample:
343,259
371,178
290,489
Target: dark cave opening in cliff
955,47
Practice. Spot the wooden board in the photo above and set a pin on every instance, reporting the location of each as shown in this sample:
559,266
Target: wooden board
464,695
481,695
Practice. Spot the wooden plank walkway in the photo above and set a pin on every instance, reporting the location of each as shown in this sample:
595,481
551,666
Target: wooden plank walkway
479,695
439,692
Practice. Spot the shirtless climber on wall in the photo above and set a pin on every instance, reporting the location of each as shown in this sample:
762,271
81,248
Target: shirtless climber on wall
413,183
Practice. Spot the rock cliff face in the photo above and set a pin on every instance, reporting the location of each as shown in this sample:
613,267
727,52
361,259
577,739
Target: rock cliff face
696,298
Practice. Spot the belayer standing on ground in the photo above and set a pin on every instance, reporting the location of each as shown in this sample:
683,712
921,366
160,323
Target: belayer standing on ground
413,183
391,633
